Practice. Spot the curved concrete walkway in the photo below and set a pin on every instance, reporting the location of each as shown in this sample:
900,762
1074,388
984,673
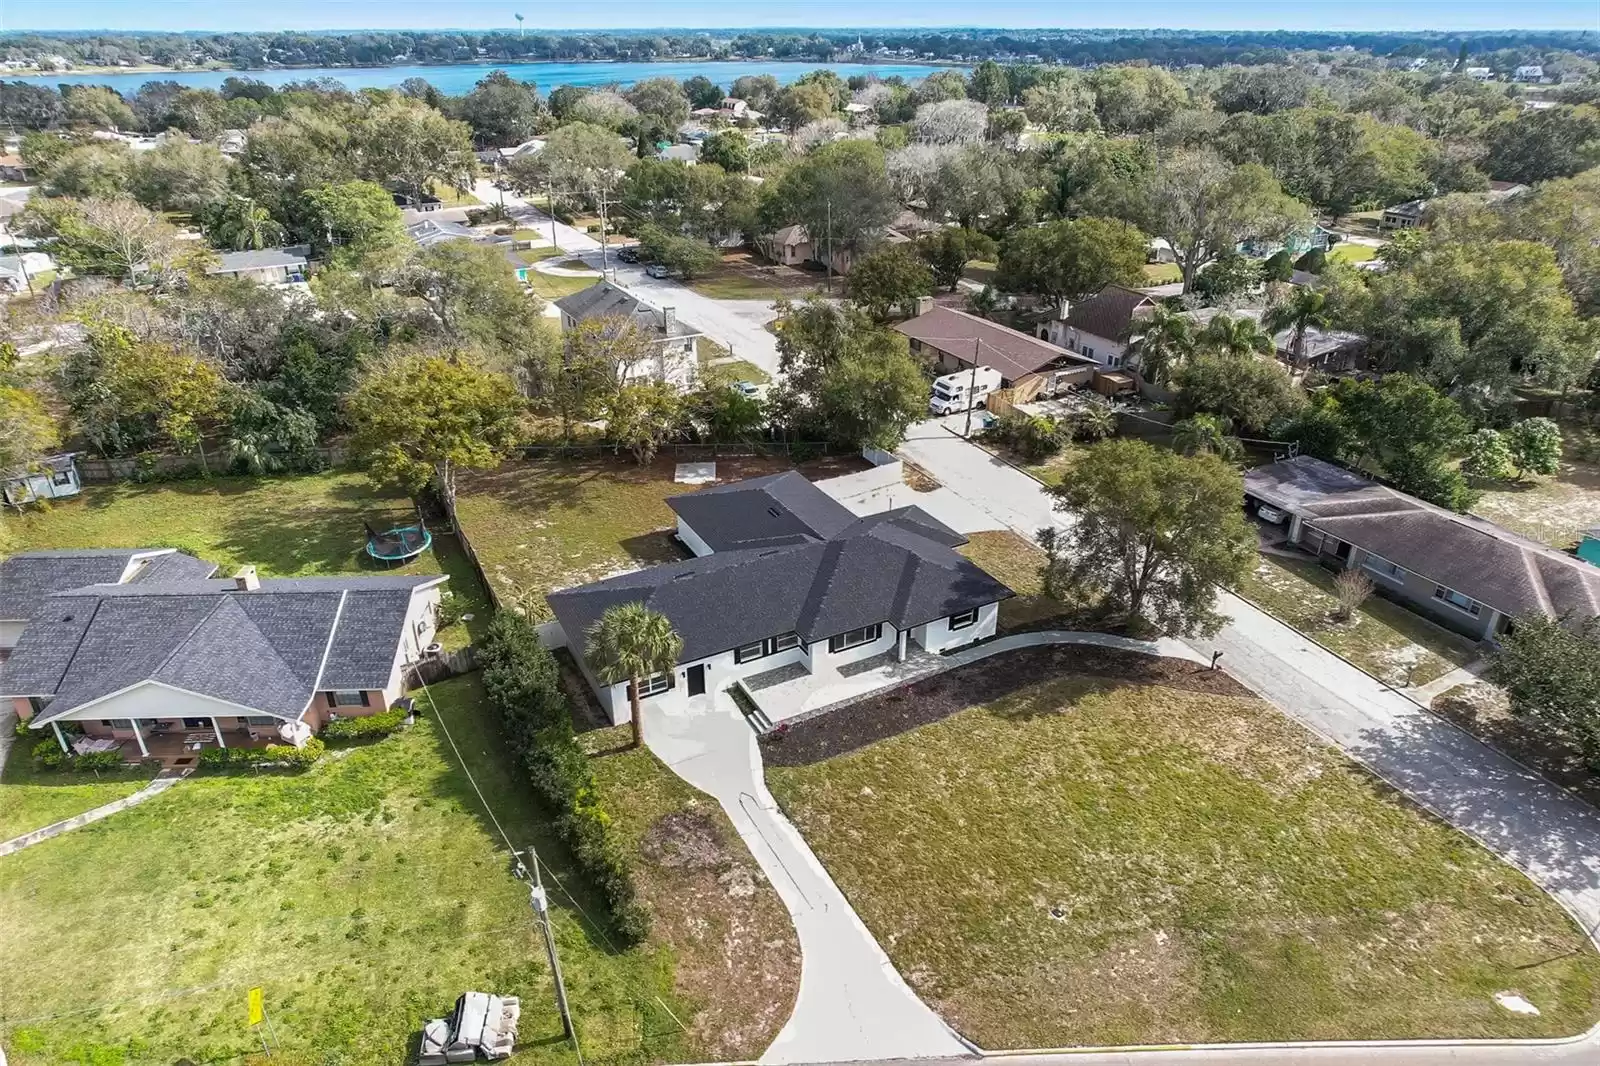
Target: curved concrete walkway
853,1004
548,266
163,782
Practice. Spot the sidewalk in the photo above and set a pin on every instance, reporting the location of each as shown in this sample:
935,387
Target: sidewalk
852,1003
164,781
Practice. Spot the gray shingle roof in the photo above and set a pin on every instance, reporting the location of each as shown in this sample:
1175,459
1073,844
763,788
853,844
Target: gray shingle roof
1466,553
604,299
27,579
816,570
1108,312
267,650
260,259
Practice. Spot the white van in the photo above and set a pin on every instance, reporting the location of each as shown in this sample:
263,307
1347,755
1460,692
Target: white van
963,389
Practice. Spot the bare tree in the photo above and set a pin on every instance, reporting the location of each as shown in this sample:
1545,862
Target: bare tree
951,122
1352,588
816,134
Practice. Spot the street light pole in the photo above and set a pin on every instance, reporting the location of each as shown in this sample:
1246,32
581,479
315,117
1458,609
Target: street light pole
972,387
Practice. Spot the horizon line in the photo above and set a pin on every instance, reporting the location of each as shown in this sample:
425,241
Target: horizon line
903,29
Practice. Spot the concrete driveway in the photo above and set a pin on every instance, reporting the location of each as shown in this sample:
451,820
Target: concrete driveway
852,1004
1015,500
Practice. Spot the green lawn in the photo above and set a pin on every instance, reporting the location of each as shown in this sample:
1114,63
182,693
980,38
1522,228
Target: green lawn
287,526
741,276
735,954
1162,273
1388,641
1346,252
1089,861
31,798
550,287
363,895
1553,510
1017,563
981,271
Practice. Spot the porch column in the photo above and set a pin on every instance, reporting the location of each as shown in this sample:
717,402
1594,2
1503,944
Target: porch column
55,727
900,647
216,725
144,752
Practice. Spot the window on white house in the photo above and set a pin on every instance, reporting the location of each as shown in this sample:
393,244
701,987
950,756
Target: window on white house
855,637
762,648
654,685
964,619
347,699
1384,568
1086,350
1459,601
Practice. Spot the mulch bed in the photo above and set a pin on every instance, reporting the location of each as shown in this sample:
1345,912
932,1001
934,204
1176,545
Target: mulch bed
877,717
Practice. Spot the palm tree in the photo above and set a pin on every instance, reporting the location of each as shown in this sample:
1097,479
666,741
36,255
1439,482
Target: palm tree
242,224
1095,420
1234,337
1305,310
1205,435
629,643
1161,342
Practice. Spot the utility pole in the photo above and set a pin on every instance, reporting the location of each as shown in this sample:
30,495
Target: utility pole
828,245
541,907
972,387
550,206
603,204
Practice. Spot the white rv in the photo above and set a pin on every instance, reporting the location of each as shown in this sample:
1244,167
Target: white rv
963,389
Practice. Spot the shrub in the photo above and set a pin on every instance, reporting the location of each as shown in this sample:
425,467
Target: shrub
1031,437
367,726
523,683
1352,588
271,755
97,760
48,754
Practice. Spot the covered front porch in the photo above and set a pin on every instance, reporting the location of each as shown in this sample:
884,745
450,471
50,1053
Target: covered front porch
175,743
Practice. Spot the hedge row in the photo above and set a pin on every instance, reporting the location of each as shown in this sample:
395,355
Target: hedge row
272,754
523,684
371,725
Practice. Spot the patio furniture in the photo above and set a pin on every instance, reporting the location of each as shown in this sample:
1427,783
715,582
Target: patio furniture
90,745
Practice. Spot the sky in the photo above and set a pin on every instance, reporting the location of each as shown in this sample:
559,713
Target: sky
624,14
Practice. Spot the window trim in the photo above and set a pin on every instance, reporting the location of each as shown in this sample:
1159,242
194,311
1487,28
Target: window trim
765,647
970,616
1389,571
355,697
1442,593
654,685
845,641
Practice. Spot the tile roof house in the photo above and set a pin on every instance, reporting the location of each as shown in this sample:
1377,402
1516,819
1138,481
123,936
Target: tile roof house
135,645
673,360
786,576
952,339
1461,571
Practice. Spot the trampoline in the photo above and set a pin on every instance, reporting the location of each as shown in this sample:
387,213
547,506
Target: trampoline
399,544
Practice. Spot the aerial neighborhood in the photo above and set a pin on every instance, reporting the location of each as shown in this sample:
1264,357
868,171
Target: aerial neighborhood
643,546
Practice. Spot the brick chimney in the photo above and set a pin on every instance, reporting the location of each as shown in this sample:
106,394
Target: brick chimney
924,305
1063,308
669,318
246,580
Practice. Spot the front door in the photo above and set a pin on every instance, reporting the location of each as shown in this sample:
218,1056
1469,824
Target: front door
697,680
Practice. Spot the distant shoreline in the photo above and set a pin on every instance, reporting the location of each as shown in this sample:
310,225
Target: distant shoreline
89,72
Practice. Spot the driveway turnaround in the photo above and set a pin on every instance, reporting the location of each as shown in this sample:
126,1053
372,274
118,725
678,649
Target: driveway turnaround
853,1004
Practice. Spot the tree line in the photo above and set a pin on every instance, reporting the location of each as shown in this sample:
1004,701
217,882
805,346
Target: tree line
1077,46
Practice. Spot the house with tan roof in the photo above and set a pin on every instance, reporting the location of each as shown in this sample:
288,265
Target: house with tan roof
1460,571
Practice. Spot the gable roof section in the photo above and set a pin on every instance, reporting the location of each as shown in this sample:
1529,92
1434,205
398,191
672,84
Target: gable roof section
761,512
27,579
1473,556
1014,354
1108,312
604,299
268,650
812,569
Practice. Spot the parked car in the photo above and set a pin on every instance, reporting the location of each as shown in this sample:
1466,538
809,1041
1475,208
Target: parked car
628,254
1270,514
658,270
748,388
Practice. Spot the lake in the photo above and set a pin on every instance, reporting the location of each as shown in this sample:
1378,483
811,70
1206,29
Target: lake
456,78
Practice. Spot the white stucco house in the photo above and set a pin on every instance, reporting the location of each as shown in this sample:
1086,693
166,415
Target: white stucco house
784,576
673,358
